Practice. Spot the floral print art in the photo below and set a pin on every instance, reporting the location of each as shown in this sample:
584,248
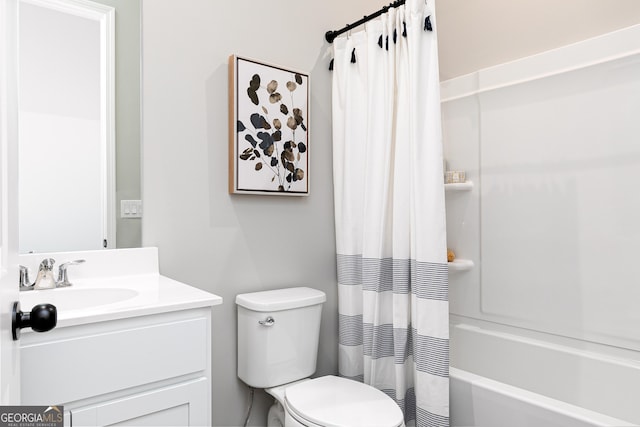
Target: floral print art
271,129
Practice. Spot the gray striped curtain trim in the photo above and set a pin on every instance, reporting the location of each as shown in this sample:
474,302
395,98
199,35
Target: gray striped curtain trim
350,330
428,419
377,341
426,280
430,280
384,275
403,344
349,269
431,355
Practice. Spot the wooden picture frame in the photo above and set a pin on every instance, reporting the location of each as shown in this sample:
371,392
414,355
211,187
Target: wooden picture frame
268,129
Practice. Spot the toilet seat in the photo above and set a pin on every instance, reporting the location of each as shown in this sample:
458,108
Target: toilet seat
339,402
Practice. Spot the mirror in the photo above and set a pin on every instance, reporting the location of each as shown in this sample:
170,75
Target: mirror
79,117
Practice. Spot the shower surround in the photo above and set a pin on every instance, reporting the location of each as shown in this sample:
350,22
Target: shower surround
550,142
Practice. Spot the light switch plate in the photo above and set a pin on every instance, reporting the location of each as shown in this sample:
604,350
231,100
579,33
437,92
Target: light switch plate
130,208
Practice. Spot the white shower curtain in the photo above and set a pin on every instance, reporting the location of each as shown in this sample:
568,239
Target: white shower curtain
390,215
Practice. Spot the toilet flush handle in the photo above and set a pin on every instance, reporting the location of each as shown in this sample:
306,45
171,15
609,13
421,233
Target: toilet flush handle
269,321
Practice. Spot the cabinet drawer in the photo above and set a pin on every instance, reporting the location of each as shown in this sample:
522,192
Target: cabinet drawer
184,404
76,368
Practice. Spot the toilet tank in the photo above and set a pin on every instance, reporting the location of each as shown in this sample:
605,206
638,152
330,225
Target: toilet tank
278,334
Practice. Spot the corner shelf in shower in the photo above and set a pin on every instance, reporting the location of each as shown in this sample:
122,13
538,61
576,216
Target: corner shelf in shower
460,264
459,186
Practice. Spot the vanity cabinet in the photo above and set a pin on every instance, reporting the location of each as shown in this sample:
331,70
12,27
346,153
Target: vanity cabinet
151,370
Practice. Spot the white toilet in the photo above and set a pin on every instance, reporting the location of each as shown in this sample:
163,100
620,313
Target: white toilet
278,334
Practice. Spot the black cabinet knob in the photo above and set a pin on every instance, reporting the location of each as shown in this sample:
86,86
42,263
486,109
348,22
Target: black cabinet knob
41,318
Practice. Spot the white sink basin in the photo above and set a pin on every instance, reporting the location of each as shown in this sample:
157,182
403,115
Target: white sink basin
66,299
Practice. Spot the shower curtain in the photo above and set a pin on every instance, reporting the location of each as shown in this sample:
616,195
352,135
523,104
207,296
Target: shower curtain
390,215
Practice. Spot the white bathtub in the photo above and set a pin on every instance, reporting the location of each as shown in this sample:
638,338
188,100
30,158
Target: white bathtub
505,379
479,401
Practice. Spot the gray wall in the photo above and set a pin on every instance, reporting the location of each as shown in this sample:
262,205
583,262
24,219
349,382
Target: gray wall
233,244
128,231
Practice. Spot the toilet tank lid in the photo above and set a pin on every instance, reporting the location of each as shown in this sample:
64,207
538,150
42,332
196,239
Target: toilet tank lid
281,299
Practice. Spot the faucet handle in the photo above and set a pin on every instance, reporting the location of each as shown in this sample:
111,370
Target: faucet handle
25,282
63,277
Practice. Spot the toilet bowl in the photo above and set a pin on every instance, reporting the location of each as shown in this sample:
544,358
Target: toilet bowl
332,401
278,335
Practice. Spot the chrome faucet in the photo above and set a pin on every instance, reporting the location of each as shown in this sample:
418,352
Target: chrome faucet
45,279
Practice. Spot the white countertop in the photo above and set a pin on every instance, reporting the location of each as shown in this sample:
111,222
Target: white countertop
97,300
97,297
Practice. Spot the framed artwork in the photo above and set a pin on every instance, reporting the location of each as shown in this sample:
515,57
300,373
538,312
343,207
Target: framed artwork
268,129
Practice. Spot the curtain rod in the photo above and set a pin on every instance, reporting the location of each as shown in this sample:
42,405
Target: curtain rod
330,36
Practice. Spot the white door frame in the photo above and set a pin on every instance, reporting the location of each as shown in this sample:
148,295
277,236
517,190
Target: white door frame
9,349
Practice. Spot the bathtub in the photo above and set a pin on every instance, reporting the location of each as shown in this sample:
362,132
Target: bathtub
505,379
480,401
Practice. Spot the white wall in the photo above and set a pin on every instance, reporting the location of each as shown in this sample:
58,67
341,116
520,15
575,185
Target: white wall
221,243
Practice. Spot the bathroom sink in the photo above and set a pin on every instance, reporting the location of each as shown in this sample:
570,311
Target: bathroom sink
112,284
66,299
